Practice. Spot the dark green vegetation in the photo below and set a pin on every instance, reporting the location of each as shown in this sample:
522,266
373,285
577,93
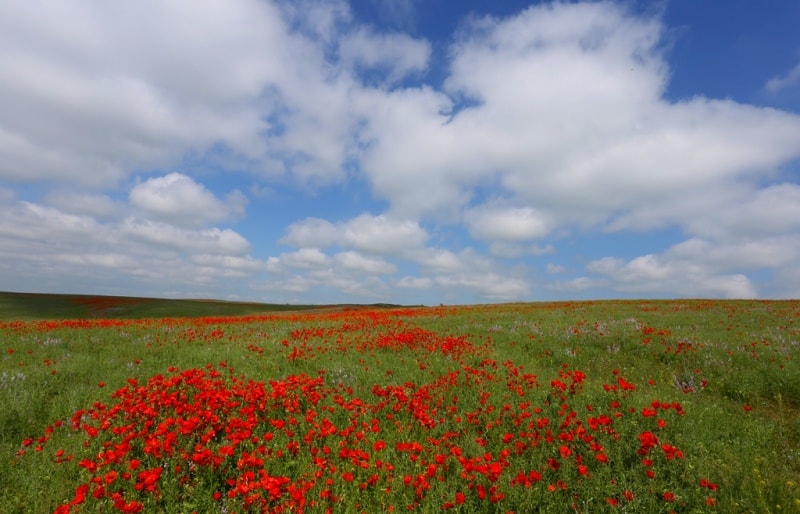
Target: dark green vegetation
29,306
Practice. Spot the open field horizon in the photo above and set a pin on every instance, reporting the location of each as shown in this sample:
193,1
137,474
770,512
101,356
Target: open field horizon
27,305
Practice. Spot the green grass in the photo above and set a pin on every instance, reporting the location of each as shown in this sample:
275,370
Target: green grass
29,306
455,378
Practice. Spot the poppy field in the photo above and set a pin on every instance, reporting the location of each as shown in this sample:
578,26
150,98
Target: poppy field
613,406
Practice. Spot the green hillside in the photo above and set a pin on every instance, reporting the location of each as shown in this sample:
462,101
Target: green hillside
27,306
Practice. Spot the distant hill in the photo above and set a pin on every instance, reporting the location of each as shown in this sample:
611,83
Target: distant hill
27,306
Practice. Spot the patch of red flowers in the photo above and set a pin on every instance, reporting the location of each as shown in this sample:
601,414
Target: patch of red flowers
479,436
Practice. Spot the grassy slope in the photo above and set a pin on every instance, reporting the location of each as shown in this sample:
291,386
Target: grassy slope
28,306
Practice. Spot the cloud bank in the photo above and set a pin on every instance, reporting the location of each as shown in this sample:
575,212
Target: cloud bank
545,126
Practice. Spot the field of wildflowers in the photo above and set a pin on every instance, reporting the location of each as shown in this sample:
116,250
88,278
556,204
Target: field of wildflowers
640,406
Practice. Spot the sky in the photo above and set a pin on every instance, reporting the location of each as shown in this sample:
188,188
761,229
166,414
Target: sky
400,151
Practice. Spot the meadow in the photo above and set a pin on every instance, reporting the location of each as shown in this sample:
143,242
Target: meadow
631,406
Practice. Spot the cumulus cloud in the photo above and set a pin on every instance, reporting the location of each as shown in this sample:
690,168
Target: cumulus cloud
380,245
230,265
411,148
357,262
214,240
469,272
547,124
748,213
567,113
77,248
311,232
505,223
563,106
444,261
733,234
178,199
99,206
381,234
655,274
332,278
303,258
493,286
393,56
92,92
319,19
790,79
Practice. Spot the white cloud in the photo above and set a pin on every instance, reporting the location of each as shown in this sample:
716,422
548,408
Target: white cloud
90,204
309,258
230,265
748,213
550,123
345,273
393,55
440,260
739,254
411,149
311,232
61,251
178,199
567,114
381,235
738,230
470,272
491,286
652,274
92,91
395,241
568,117
320,19
505,249
212,241
410,282
791,79
505,223
26,221
357,262
105,260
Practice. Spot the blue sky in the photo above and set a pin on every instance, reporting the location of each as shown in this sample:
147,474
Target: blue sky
404,151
